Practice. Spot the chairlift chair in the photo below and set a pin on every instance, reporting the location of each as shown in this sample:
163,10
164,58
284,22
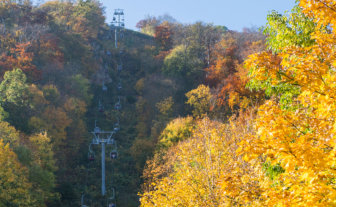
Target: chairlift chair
120,86
113,195
91,154
117,126
114,154
82,201
120,67
117,106
100,107
104,87
97,131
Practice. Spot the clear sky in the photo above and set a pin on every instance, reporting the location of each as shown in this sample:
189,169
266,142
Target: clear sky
234,14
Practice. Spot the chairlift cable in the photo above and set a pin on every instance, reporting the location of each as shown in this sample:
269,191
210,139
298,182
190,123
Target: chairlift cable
101,107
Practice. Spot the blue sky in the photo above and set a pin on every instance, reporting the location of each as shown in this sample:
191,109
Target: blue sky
234,14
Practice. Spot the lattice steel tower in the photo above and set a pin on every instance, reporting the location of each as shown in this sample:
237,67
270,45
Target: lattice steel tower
119,23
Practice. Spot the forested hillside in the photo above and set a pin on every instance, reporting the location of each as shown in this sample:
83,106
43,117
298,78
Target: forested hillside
209,116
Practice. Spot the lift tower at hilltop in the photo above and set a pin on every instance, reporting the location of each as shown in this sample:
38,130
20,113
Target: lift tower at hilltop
118,20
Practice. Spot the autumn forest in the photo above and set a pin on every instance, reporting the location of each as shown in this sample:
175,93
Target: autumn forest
195,115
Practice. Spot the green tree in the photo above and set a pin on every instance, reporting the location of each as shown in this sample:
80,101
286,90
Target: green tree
183,61
3,114
78,86
14,98
43,167
51,93
284,31
14,89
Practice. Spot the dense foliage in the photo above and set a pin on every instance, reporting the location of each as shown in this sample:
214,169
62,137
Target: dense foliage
279,147
210,116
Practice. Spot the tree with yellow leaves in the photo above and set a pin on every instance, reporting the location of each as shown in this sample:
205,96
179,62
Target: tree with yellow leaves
14,185
296,128
285,155
200,99
191,173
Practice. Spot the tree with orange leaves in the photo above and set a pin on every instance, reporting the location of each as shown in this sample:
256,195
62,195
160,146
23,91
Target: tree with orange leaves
163,35
19,57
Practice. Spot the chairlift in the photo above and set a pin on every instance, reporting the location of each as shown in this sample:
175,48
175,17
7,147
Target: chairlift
120,86
104,87
117,126
97,131
91,154
100,107
111,205
114,154
113,194
118,104
120,67
82,201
